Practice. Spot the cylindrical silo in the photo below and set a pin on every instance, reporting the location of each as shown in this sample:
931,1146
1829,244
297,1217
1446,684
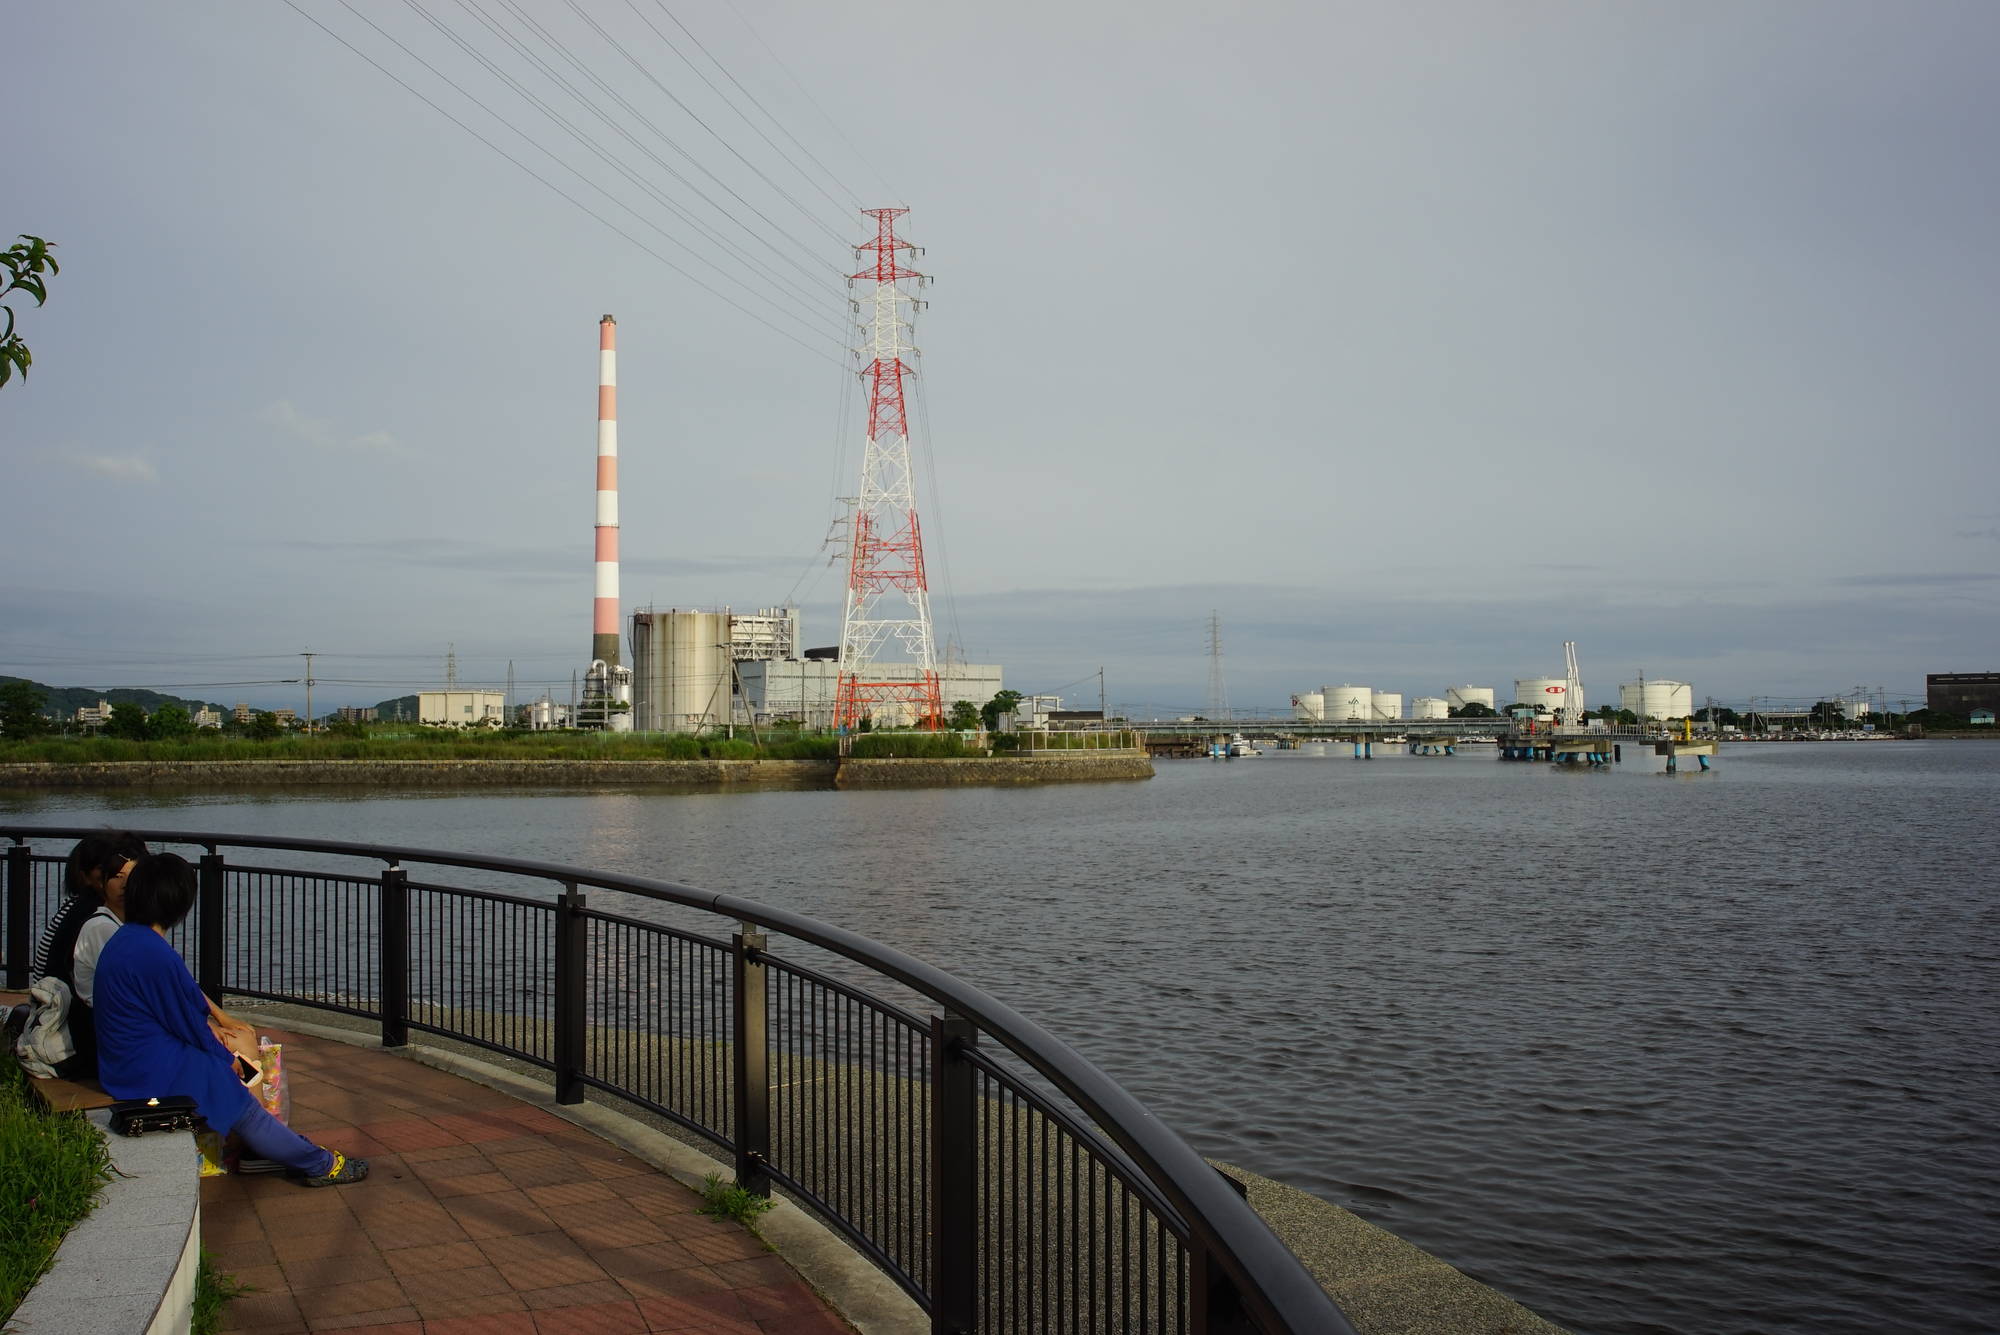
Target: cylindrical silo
1309,707
1429,706
1458,697
1388,705
1541,692
681,660
1348,702
1657,698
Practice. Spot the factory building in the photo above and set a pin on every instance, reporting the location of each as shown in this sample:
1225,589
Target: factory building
1657,698
693,671
1962,692
464,709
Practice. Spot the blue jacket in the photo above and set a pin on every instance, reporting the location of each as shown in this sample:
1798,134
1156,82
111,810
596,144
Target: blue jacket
153,1037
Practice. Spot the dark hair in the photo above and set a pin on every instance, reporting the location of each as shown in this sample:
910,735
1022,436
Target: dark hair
160,891
104,853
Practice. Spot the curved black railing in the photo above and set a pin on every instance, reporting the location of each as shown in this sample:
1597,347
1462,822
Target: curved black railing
1002,1180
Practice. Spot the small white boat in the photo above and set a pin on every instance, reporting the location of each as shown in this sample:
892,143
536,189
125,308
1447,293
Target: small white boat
1239,745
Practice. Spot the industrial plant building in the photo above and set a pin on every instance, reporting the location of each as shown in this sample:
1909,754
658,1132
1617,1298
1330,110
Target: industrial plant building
1962,692
693,671
464,709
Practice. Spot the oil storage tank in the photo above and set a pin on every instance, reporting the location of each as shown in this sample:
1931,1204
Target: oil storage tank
1388,705
1657,698
1458,697
1309,707
1541,692
681,671
1429,706
1344,703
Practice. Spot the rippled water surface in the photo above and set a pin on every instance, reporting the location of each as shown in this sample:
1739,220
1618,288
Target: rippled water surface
1650,1053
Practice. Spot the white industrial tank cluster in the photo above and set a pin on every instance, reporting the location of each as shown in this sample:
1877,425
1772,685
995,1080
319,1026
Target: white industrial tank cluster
1365,704
1541,692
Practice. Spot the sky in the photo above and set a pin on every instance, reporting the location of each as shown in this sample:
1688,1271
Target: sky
1408,340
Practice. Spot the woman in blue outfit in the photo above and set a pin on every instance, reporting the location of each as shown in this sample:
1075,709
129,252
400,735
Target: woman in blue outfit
153,1036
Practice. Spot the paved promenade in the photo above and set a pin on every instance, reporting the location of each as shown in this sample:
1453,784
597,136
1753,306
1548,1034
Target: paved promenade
483,1215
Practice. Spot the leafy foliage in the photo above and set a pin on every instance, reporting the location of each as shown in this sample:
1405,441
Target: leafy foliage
52,1166
21,710
264,726
1003,703
726,1200
169,723
127,721
213,1291
24,267
964,716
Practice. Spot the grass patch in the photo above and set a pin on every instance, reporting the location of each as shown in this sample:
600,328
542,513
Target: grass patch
726,1200
52,1167
213,1291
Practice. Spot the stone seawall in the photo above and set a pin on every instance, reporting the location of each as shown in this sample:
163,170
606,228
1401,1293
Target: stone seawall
672,774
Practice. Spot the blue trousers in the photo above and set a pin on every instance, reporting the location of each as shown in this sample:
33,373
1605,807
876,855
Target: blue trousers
265,1137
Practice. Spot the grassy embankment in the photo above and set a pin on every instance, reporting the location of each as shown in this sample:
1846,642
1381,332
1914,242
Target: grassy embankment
453,744
52,1166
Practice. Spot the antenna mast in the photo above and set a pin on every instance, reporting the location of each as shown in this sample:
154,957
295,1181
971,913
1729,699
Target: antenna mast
1218,694
885,549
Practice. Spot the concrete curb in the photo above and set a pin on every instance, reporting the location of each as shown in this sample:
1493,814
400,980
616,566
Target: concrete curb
872,1302
129,1266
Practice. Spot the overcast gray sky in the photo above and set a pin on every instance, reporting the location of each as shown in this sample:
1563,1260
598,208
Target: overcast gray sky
1411,338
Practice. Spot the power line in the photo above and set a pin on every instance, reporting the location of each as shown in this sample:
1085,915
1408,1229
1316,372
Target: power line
641,245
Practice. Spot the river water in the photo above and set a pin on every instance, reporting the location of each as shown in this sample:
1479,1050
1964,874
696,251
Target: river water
1703,1052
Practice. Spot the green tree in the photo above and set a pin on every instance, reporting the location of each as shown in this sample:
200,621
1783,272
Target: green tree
128,721
1827,714
21,710
1471,709
1003,703
264,727
23,267
964,716
170,723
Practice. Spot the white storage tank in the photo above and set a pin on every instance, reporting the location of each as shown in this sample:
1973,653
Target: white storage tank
1657,698
1429,706
681,671
1388,705
1541,692
1309,708
1458,697
1349,702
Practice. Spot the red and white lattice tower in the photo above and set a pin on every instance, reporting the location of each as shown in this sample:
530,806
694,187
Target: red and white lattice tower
887,654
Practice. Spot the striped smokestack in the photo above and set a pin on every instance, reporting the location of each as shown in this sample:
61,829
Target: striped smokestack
604,612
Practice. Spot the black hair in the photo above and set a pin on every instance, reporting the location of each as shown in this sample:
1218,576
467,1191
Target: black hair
104,853
160,891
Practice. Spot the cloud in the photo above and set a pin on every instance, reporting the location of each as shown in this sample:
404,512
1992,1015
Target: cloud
116,467
318,432
1990,534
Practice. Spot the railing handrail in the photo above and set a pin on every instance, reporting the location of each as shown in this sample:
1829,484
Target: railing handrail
1276,1288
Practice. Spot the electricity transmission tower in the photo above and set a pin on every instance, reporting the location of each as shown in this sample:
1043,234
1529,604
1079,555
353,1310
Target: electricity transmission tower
887,622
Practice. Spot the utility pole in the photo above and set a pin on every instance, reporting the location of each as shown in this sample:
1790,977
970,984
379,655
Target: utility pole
308,655
1218,693
1102,717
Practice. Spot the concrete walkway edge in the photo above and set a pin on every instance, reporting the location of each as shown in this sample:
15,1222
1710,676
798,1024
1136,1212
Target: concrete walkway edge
867,1298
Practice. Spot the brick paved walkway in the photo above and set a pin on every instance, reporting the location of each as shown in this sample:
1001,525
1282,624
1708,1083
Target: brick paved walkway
483,1215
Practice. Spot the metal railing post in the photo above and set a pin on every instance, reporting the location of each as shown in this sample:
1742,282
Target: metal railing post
211,927
572,984
954,1203
751,1060
392,968
20,903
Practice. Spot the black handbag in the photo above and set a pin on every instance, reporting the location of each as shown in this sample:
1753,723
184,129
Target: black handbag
135,1117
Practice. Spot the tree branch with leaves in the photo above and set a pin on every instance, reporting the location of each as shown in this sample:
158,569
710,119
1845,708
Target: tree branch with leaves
26,267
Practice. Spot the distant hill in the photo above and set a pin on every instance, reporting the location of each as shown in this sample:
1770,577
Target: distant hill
64,701
402,707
